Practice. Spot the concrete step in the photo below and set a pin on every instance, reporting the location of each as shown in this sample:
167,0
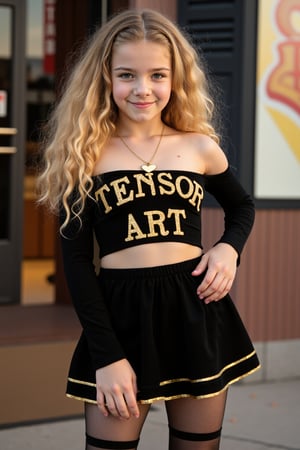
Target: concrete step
36,345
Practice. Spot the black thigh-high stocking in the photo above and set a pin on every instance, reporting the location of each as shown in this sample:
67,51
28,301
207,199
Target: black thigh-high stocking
112,433
195,424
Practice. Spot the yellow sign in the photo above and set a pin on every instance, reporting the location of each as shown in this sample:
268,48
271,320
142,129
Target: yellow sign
278,100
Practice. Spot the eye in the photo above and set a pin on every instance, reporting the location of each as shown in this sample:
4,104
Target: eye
158,75
126,76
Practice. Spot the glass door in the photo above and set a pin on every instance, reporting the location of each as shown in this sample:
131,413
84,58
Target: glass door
12,142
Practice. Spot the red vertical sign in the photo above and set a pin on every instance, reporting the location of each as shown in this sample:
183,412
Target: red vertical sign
49,36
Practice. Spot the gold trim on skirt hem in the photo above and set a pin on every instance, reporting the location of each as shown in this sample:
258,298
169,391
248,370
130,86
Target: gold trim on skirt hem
212,377
213,394
85,383
178,380
163,398
86,400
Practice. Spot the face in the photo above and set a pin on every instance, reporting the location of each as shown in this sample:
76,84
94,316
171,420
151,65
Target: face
141,80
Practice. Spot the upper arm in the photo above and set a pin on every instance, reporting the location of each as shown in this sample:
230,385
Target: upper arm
214,158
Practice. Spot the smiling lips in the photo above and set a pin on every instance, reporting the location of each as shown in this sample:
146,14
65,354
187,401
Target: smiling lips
142,105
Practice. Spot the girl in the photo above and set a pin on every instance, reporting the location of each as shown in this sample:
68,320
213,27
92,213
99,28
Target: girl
130,152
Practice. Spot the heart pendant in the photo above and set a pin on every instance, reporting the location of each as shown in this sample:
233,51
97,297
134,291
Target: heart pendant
148,167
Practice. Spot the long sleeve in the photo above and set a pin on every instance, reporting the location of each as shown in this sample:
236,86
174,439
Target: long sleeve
77,250
238,207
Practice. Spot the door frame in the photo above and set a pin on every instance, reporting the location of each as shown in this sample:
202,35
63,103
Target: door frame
11,248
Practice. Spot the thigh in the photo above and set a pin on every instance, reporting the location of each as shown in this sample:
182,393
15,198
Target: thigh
197,415
111,428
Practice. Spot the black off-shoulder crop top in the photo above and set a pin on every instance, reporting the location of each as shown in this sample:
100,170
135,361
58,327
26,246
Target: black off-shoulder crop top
129,208
134,208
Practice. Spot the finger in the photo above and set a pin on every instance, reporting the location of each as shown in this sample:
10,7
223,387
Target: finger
134,385
123,405
206,282
219,292
132,405
116,407
201,267
101,403
217,282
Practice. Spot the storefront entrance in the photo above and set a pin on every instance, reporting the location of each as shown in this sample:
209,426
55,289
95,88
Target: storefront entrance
26,94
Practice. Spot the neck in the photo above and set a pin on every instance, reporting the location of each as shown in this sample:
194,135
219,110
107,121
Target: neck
139,131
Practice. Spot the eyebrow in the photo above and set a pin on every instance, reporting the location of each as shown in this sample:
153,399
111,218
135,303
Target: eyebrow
151,70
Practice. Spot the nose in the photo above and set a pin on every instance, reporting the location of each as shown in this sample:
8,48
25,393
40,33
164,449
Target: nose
142,88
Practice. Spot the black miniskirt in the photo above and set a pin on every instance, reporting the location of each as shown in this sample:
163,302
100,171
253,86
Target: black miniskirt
177,345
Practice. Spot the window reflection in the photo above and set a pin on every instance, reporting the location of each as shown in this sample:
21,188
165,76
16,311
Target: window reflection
39,100
40,85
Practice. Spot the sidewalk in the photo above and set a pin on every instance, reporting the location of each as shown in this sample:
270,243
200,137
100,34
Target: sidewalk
263,416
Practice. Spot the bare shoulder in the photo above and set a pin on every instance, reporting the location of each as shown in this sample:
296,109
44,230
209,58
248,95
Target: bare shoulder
213,157
192,151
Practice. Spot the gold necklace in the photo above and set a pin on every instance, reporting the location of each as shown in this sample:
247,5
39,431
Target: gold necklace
148,166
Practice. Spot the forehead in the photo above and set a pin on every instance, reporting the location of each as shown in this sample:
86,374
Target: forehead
141,54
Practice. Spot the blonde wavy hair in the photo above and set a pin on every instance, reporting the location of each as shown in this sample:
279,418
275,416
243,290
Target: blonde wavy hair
84,118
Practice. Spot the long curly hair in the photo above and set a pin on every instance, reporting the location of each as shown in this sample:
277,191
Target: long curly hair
84,118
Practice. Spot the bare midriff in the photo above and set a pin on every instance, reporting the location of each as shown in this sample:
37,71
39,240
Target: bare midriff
150,255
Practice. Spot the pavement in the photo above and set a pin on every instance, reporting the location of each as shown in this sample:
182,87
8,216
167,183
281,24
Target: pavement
259,416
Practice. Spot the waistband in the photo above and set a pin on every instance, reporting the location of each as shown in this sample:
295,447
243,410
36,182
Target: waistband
154,271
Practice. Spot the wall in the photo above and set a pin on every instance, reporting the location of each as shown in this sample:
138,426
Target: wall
168,7
267,287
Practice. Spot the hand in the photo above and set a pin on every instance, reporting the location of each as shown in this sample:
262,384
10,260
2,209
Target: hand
117,389
220,264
